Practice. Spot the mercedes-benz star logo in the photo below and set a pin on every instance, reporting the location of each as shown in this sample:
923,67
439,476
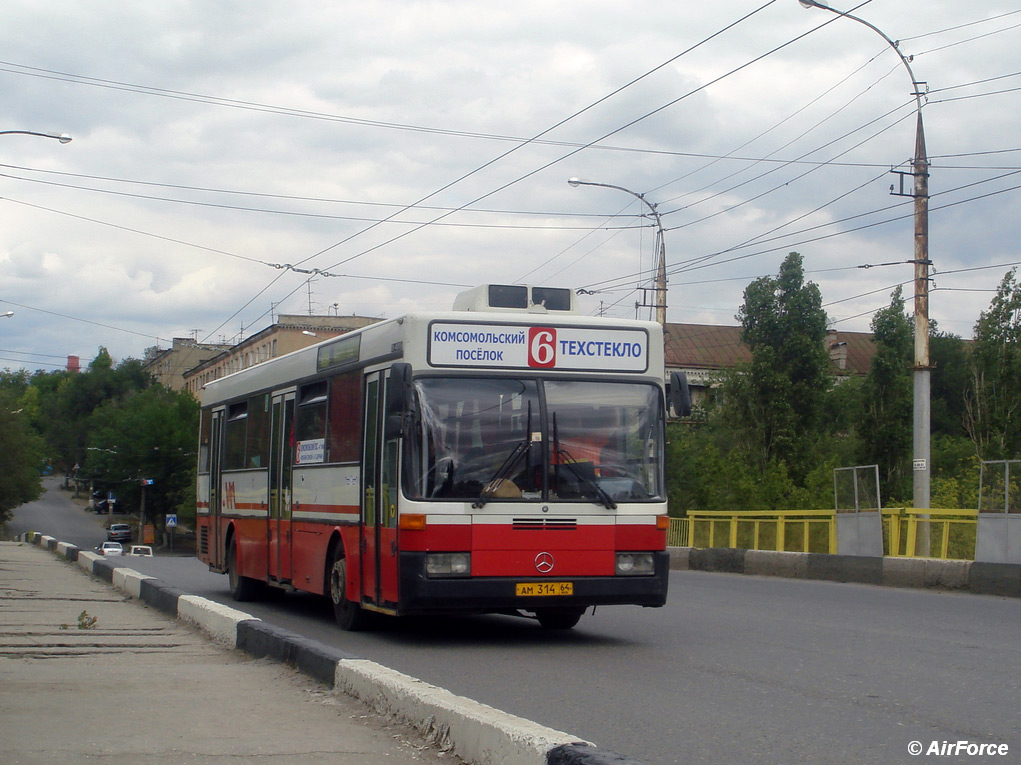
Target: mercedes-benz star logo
544,562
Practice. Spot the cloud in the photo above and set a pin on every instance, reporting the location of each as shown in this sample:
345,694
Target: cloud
258,135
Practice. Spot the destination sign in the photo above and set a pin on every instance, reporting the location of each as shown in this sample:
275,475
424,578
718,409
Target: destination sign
489,346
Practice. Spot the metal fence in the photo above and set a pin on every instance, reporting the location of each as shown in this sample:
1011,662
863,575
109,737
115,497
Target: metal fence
951,532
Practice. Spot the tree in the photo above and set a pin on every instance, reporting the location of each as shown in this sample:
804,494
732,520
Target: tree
777,400
21,457
70,400
147,434
950,375
887,399
993,400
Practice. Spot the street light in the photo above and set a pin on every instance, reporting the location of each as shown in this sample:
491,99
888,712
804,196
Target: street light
660,281
7,315
920,172
62,137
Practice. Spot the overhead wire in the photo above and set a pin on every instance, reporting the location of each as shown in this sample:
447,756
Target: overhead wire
960,26
698,262
220,205
755,239
775,126
816,165
117,85
539,135
8,301
456,209
617,130
731,154
562,122
292,213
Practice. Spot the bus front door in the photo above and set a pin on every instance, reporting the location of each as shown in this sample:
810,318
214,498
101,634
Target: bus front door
215,528
379,502
281,462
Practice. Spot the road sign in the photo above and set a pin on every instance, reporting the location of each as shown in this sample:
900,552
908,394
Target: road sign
147,482
171,521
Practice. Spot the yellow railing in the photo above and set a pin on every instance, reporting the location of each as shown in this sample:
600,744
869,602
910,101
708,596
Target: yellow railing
951,532
677,533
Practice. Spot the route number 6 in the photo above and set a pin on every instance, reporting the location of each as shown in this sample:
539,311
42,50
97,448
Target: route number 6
542,347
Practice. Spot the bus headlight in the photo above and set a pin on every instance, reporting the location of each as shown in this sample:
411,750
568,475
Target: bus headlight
635,564
448,564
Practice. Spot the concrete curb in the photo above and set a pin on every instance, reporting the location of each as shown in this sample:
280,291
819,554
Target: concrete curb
219,621
928,573
491,735
473,731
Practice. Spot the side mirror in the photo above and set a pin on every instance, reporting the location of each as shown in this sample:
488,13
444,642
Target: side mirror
398,398
680,394
398,389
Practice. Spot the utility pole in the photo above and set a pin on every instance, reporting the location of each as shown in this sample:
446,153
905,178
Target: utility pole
921,462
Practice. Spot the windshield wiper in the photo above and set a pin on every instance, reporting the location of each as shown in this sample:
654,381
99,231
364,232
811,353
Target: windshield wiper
522,447
566,459
505,469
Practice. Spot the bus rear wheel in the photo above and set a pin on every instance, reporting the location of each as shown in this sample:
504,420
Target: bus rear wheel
242,588
349,615
559,618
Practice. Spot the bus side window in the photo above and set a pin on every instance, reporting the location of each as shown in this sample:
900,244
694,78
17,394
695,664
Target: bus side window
237,434
257,449
344,432
311,415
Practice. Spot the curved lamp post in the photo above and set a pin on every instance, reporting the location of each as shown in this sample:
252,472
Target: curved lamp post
920,374
660,281
62,137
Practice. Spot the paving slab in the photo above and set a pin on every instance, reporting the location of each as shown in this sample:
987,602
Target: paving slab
88,674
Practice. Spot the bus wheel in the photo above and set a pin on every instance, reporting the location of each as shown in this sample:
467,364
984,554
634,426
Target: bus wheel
242,588
349,615
559,618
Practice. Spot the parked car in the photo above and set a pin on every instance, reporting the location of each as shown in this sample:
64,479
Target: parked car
119,532
104,501
110,548
140,551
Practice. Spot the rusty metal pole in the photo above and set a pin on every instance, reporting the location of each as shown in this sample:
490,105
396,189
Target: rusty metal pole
920,463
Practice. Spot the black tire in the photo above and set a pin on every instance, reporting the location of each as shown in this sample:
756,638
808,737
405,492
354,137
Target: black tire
349,615
242,588
559,618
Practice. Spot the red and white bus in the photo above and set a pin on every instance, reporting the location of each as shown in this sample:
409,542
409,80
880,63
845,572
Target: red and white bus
503,457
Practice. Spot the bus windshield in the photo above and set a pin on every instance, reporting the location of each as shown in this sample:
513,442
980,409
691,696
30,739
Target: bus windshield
503,439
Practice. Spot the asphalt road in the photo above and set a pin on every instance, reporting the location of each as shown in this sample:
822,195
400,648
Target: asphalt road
734,669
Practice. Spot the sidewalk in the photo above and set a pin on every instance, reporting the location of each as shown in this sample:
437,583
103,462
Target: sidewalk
138,685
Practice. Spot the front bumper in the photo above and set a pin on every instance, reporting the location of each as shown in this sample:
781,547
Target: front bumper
420,594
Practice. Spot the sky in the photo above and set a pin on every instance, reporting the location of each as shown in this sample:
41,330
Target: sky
232,161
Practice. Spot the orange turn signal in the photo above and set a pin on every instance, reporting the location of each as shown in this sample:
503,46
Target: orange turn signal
663,522
412,522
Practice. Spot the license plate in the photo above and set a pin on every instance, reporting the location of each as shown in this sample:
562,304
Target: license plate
543,589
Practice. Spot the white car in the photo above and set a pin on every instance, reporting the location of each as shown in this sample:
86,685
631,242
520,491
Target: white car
140,551
110,548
